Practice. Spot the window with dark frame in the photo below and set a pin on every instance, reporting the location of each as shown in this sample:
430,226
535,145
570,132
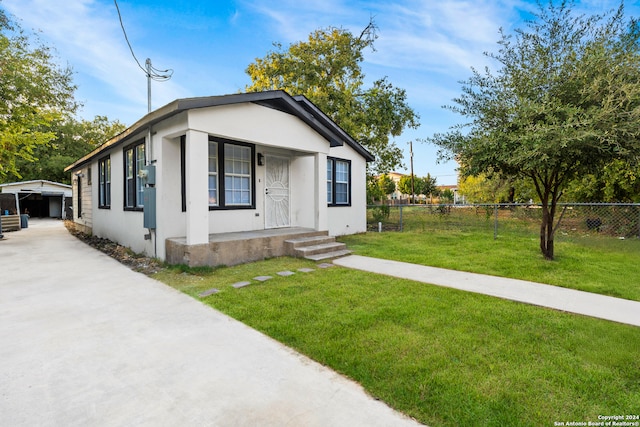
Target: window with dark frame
183,178
104,183
338,182
79,198
213,173
329,181
134,162
237,175
231,175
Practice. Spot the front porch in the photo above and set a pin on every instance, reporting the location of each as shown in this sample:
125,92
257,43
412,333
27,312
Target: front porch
248,246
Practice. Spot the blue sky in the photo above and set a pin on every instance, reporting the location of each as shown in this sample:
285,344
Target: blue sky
424,46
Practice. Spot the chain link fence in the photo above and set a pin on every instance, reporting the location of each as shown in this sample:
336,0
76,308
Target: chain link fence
621,220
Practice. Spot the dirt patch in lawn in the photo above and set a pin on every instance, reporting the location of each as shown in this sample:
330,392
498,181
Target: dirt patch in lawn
126,256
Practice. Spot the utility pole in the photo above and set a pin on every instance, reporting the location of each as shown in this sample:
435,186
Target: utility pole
148,69
413,192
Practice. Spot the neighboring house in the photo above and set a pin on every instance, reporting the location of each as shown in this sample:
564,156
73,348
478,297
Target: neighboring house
395,177
38,198
190,177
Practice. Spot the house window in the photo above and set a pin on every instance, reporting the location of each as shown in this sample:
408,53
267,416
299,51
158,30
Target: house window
231,175
213,173
338,182
104,184
79,198
237,175
134,162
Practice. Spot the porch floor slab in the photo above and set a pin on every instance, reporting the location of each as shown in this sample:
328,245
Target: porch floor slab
236,247
259,234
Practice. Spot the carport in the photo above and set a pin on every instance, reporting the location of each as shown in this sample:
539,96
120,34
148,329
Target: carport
38,198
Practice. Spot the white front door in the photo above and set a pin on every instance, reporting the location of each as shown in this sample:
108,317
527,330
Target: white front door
277,210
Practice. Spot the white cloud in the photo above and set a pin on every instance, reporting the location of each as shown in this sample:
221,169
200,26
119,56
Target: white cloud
413,34
86,33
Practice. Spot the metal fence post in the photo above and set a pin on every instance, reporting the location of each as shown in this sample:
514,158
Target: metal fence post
495,221
400,217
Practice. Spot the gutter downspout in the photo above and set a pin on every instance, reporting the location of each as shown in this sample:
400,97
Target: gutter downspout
152,231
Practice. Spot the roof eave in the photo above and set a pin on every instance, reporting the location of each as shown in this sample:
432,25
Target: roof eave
299,106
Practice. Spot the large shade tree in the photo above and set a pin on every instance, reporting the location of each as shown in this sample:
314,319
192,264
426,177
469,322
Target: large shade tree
326,69
36,94
564,102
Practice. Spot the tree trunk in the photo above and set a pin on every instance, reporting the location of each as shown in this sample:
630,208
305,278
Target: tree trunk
546,232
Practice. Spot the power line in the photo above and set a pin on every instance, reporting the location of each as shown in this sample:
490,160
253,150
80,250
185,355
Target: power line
150,71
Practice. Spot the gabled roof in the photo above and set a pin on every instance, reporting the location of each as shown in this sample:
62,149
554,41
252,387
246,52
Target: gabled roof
280,100
42,183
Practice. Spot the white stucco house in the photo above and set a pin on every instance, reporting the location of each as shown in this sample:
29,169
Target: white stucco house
223,180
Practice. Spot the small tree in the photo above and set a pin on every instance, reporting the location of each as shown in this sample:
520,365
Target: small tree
426,186
386,185
447,195
564,103
404,185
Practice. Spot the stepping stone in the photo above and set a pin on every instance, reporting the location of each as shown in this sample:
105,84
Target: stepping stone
286,273
208,292
305,270
241,284
262,278
325,265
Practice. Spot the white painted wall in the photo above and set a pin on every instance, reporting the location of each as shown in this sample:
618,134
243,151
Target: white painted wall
303,192
260,125
350,219
116,224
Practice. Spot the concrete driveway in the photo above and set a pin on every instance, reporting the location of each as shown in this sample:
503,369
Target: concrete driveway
86,341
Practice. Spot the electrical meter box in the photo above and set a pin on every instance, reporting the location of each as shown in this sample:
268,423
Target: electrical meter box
149,197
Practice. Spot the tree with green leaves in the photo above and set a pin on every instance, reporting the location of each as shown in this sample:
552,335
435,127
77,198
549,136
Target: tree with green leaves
616,182
35,94
379,187
327,70
427,186
407,186
73,139
564,102
386,184
447,196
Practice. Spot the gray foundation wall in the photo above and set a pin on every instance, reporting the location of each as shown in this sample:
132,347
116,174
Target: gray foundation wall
231,252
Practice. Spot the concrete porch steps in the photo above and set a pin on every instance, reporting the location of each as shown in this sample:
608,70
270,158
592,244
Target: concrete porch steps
328,255
316,248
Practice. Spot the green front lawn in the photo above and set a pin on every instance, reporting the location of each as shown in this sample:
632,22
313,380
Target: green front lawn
603,265
443,356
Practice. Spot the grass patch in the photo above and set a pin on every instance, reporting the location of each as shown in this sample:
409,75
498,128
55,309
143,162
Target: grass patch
601,265
443,356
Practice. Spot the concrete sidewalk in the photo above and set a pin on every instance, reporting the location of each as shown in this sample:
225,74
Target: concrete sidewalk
586,303
86,341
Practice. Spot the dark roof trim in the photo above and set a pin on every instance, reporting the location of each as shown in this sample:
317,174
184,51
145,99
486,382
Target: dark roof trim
277,99
326,120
